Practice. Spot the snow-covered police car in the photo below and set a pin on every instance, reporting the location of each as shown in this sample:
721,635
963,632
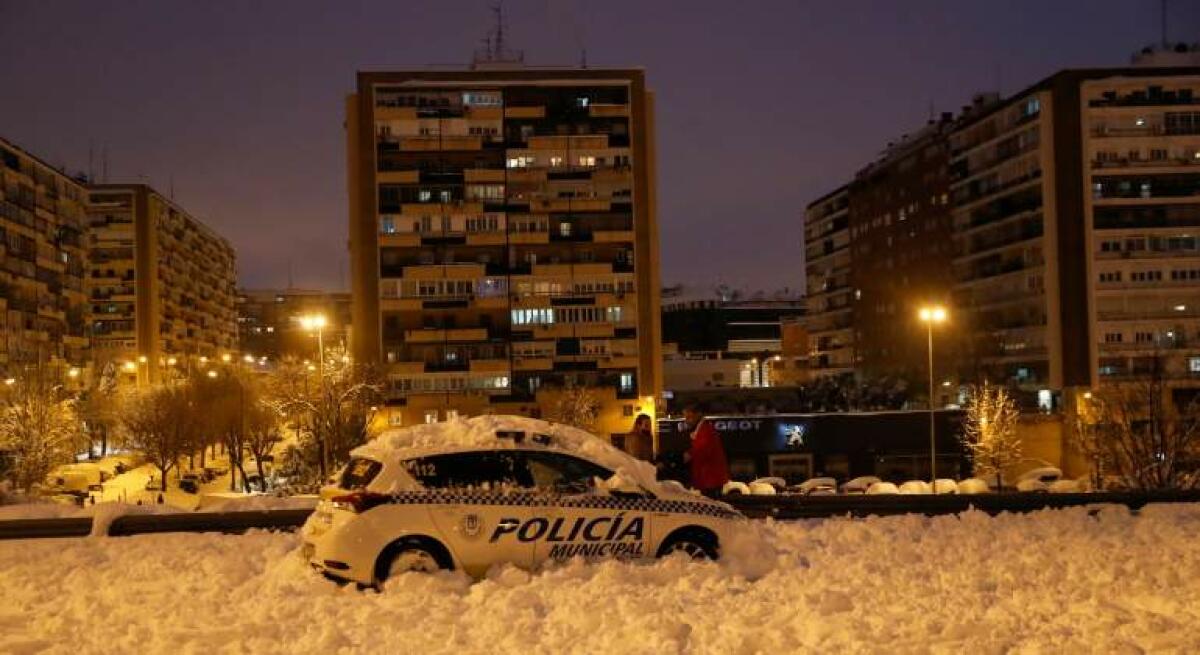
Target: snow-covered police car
470,493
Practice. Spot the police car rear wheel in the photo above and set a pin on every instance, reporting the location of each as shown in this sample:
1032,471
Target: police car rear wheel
410,556
693,546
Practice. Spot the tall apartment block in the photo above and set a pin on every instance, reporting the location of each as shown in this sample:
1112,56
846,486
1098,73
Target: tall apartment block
503,240
902,246
1076,212
269,321
162,285
830,318
43,309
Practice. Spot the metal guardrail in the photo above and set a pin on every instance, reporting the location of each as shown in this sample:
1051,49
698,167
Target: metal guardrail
810,507
757,507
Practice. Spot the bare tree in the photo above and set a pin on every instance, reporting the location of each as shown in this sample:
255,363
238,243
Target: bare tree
263,434
39,425
1149,440
576,406
99,408
990,431
160,423
337,402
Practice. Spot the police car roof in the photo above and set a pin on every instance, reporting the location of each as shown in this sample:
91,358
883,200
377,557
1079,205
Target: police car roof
494,432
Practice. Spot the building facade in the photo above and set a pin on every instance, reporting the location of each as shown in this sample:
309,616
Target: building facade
729,342
43,306
902,247
162,285
269,322
1076,220
503,240
828,270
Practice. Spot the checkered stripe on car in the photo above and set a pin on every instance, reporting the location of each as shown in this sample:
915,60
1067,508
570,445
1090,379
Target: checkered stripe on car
619,503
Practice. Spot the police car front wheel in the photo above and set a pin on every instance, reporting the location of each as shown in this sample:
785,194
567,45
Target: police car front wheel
411,555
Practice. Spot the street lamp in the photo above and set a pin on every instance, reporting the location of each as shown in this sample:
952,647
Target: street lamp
226,357
929,316
212,373
316,322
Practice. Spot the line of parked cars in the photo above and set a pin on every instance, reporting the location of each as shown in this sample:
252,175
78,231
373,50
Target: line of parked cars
1046,480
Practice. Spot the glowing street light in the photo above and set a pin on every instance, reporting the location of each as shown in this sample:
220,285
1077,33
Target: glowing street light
212,373
73,372
248,358
930,315
171,361
226,357
129,366
10,381
316,323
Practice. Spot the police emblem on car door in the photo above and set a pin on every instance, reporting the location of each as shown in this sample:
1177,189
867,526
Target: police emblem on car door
581,521
480,502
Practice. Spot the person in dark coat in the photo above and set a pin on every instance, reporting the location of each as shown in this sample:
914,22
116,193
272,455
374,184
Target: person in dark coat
706,455
640,440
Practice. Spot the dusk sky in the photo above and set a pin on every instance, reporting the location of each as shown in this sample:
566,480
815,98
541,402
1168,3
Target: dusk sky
762,106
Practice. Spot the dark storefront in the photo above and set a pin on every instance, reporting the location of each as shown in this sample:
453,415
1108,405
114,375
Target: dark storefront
891,445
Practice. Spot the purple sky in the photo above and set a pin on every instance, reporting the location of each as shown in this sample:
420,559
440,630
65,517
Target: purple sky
762,106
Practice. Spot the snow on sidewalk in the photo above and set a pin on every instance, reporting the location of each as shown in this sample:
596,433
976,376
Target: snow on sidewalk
1042,582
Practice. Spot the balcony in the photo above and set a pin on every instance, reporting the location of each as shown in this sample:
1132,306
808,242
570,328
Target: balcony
442,335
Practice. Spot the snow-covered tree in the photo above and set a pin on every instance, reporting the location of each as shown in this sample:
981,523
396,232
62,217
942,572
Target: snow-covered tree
990,431
99,407
1150,440
333,406
576,406
161,423
39,427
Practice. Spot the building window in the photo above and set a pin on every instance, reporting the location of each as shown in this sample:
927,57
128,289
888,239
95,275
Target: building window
1194,364
1113,337
627,382
582,101
556,161
451,414
424,195
431,416
587,160
564,229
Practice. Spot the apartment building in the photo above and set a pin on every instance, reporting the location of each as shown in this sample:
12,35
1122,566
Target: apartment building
43,309
162,285
503,240
270,321
1075,215
827,267
1141,170
902,248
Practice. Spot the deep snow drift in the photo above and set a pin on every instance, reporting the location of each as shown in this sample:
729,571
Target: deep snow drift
1049,581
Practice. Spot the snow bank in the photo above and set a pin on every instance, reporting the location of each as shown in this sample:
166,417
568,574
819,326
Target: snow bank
480,432
238,502
1052,581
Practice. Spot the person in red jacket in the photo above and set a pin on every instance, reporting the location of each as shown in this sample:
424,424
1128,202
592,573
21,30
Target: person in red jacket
706,455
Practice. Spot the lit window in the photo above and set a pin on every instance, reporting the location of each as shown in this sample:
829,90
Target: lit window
587,160
424,195
564,229
1194,364
581,101
431,416
556,161
627,382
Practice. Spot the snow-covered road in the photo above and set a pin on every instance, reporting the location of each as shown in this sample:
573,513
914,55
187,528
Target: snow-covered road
1045,582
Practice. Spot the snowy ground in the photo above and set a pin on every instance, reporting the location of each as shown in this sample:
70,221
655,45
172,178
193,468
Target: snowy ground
1044,582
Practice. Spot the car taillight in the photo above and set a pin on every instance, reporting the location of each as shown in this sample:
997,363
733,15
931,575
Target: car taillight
359,501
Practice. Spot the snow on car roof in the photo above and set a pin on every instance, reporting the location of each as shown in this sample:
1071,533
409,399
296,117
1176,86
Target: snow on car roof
485,432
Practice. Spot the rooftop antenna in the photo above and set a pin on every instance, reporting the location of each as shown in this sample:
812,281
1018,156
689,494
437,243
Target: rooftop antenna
494,50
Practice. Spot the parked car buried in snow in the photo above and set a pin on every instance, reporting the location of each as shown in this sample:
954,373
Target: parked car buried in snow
470,493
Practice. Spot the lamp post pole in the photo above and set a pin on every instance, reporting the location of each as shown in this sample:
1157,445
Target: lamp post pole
929,316
932,431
